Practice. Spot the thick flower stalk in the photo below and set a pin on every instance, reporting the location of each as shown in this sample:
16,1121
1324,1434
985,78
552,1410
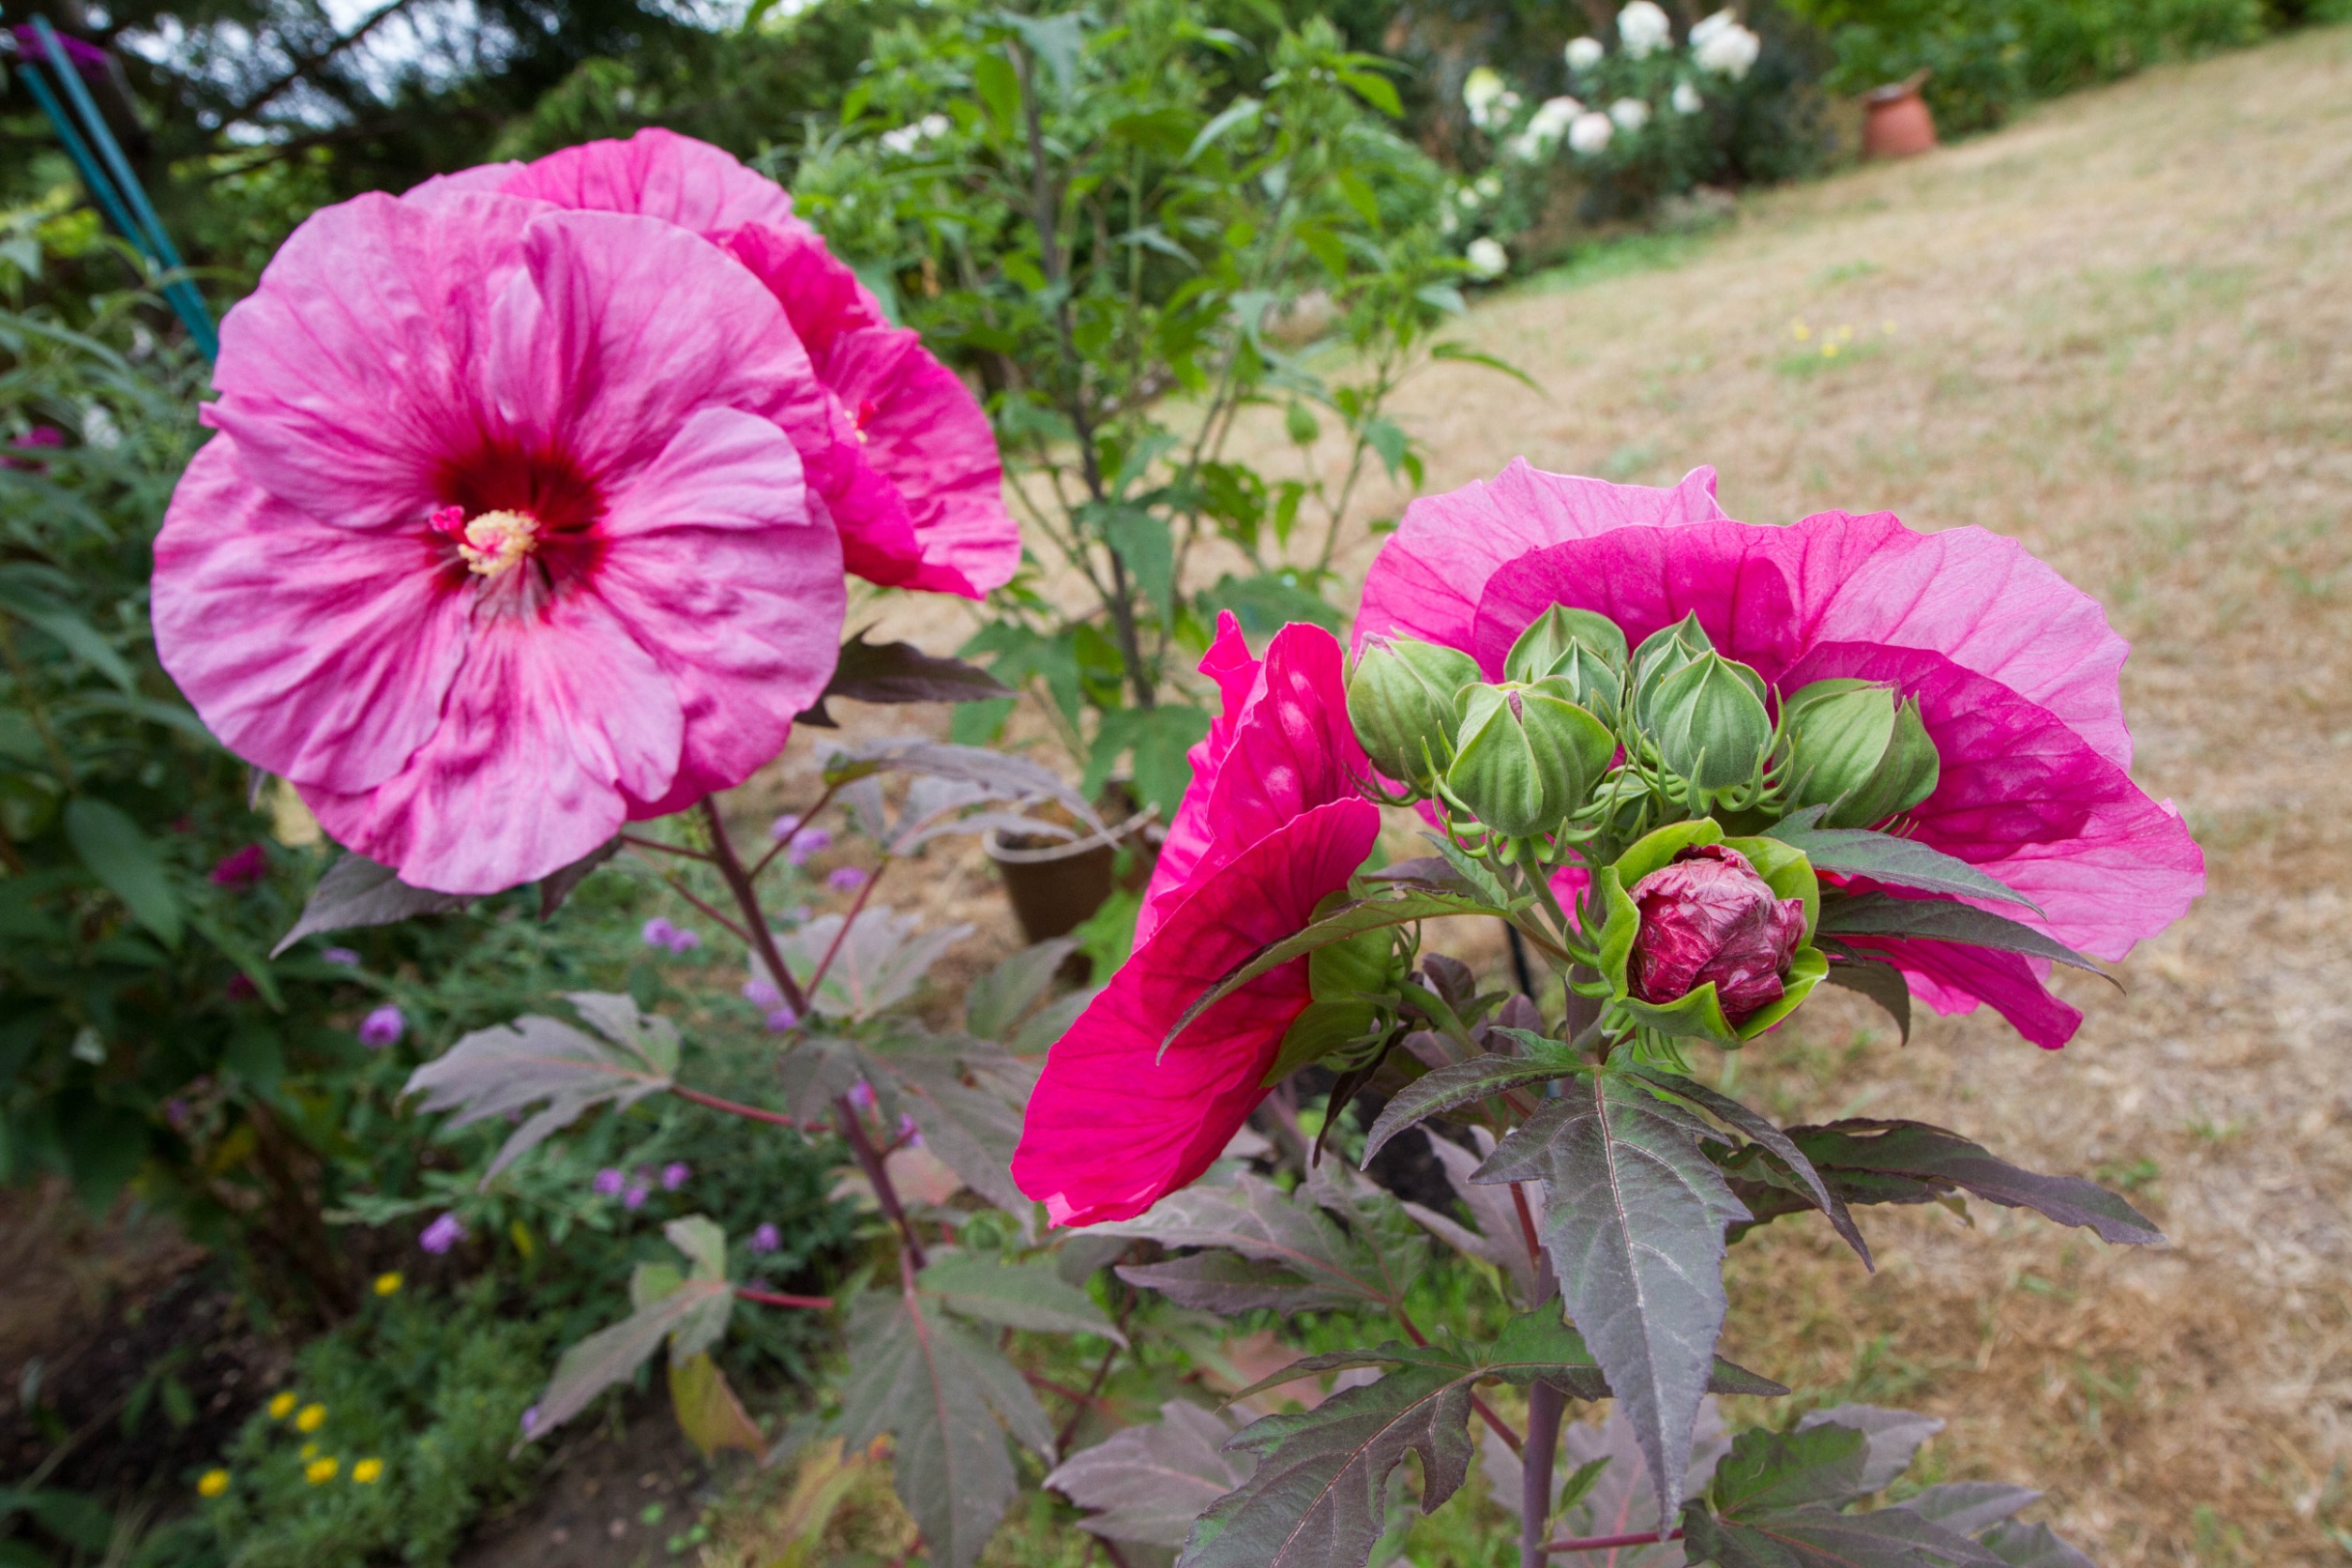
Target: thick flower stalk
1946,688
1272,824
501,542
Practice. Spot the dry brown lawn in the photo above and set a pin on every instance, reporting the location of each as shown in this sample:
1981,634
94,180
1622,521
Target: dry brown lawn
2121,331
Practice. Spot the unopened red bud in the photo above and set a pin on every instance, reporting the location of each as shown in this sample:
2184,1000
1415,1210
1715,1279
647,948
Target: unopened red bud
1709,917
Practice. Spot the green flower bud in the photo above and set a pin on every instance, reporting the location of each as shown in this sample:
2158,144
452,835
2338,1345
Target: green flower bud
1402,700
1528,758
1559,633
1661,654
1854,749
1708,722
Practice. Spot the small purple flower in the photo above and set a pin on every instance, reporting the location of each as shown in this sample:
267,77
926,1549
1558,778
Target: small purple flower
658,932
780,1019
443,1234
674,1174
634,1198
530,1419
609,1181
343,955
906,1132
176,1112
384,1027
767,1239
807,841
242,872
845,879
762,995
862,1094
684,941
784,826
39,435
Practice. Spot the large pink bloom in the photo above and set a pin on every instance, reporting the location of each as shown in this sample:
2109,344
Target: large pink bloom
898,450
1272,824
500,543
2015,669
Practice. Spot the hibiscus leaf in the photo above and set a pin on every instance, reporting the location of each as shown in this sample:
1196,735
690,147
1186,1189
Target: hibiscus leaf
613,1356
1750,1124
1031,1295
501,1070
708,1411
1891,1439
2030,1547
1499,1238
1971,1507
972,1129
1898,862
1334,1270
1148,1483
1777,1499
1877,979
1634,1218
1004,996
940,1390
1228,1284
1449,1088
355,890
878,963
1398,907
1912,1162
1012,778
899,673
1317,1497
1875,914
557,886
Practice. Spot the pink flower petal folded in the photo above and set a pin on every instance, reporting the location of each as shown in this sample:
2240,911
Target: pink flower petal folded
1272,824
1283,744
898,449
1114,1127
500,543
1952,977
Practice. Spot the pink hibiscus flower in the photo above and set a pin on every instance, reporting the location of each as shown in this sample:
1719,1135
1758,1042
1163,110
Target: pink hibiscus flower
500,543
1272,824
2015,672
898,449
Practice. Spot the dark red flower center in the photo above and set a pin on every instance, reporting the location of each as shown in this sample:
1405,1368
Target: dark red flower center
516,521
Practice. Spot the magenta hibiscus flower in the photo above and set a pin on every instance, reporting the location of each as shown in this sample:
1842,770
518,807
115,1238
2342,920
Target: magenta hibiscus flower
500,543
2015,670
1272,824
898,449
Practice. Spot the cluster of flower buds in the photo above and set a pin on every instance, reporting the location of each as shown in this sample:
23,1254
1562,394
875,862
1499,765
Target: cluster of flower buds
1584,733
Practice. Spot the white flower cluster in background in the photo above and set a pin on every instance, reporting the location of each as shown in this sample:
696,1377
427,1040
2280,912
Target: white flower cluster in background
1541,136
1489,99
1643,29
1487,259
912,139
1720,45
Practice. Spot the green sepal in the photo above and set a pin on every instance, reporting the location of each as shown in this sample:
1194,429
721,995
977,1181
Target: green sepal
1550,639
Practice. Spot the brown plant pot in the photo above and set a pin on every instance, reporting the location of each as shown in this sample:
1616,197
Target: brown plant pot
1056,885
1895,120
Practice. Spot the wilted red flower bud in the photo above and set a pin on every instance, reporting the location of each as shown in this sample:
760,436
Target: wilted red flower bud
1709,917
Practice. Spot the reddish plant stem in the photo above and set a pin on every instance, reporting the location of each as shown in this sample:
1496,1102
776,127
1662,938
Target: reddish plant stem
857,907
1609,1543
777,1298
869,1160
1081,1400
1545,1404
760,938
786,842
687,894
680,850
732,1108
1485,1412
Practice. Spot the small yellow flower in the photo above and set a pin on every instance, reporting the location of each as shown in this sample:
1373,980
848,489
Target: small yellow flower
367,1472
1829,351
211,1484
1799,331
388,1284
311,1419
319,1471
281,1407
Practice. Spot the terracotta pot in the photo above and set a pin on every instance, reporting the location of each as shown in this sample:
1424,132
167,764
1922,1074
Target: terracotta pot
1895,120
1055,885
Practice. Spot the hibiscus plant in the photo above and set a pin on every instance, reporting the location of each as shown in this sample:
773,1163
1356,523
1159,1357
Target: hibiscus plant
522,538
1131,225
